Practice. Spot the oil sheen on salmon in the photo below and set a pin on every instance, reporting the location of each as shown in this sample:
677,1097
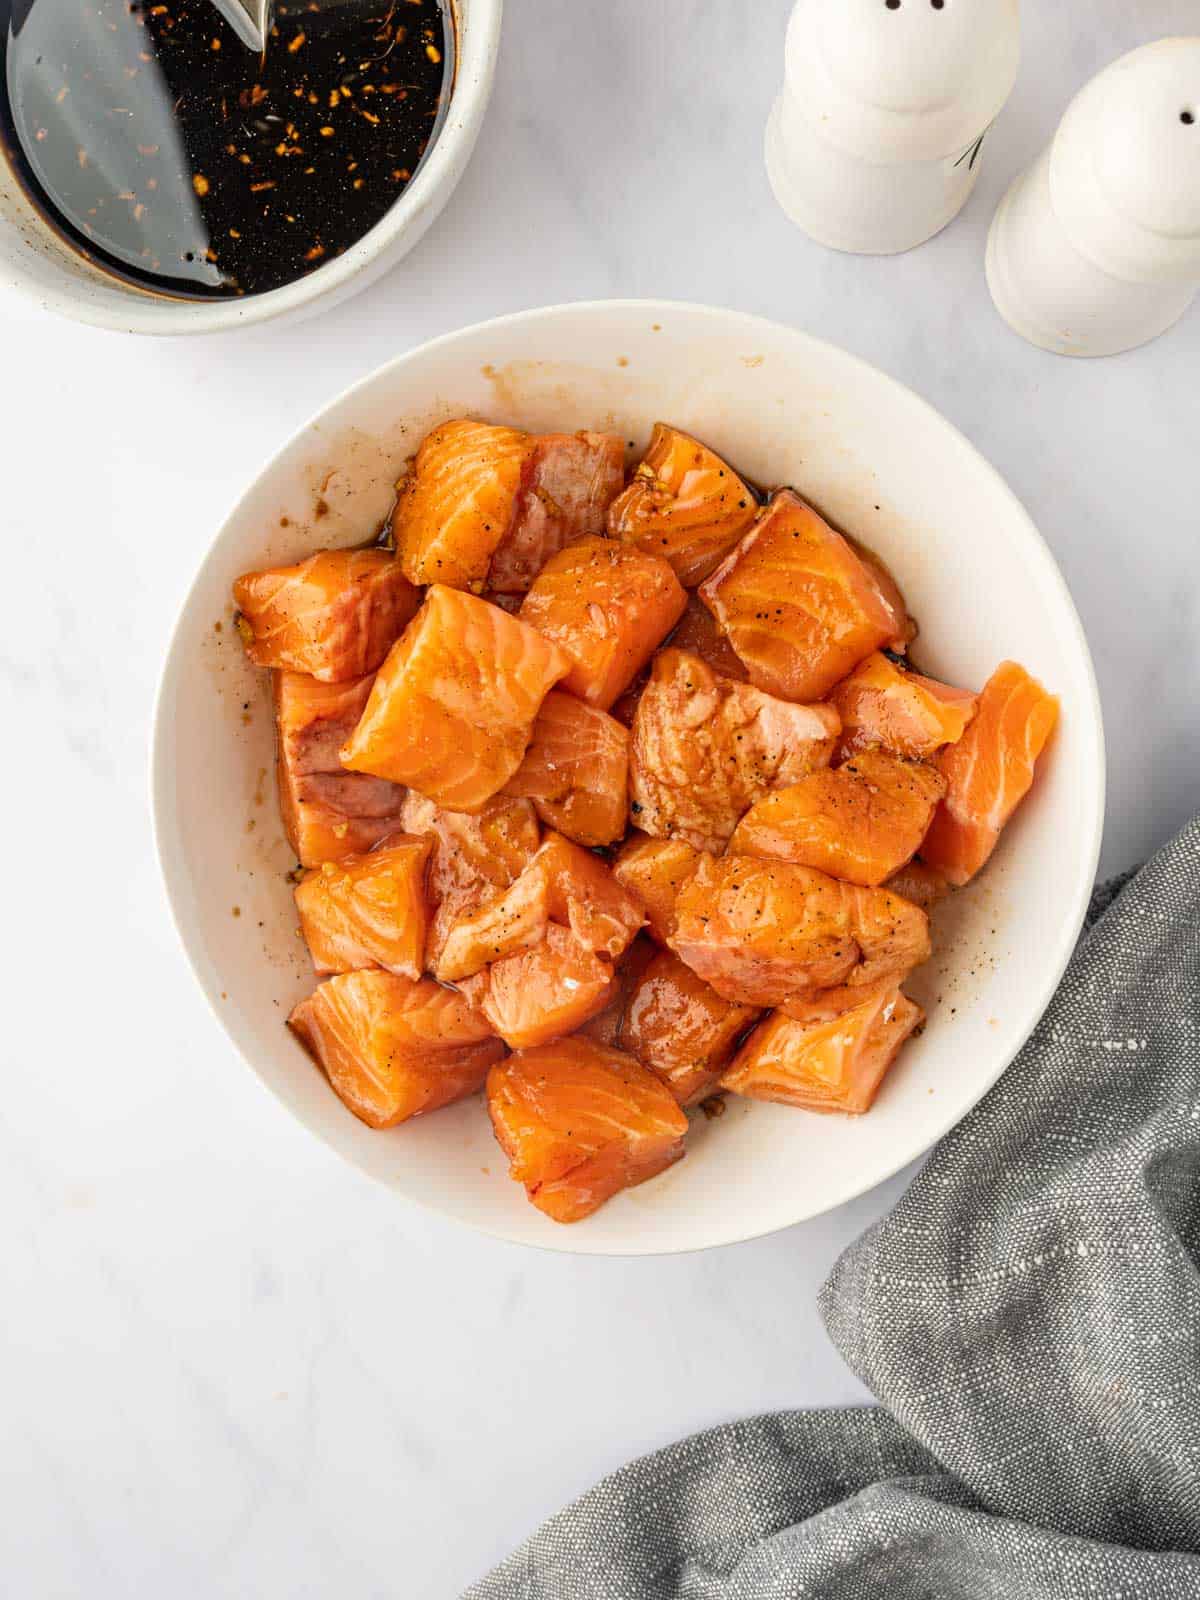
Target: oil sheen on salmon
164,150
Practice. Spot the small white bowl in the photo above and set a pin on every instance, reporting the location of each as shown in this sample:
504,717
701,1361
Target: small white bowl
35,259
784,408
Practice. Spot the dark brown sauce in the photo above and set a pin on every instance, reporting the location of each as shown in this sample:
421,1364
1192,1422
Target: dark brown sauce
169,153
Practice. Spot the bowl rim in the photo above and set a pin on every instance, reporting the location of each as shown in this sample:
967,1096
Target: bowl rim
132,310
1093,789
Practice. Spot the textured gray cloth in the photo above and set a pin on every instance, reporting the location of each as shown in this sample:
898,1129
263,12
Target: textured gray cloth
1029,1318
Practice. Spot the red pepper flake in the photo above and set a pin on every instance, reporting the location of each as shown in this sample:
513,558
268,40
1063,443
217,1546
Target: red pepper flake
257,188
200,184
327,132
315,254
297,42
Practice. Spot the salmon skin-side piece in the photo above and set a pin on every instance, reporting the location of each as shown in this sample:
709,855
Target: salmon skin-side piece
393,1048
368,911
604,1027
567,485
684,504
576,770
334,616
834,1065
328,813
654,871
680,1028
452,709
456,504
705,749
765,932
562,883
547,991
474,857
608,606
883,704
989,771
797,604
579,1123
861,821
699,635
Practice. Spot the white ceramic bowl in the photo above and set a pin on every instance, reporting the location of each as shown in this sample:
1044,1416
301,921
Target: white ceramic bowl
785,408
35,260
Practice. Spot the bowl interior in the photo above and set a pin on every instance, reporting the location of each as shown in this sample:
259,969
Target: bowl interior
784,408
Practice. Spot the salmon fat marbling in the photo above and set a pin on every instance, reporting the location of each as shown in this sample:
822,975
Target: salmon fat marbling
614,789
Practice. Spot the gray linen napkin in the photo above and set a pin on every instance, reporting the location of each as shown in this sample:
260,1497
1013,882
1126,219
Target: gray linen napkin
1029,1318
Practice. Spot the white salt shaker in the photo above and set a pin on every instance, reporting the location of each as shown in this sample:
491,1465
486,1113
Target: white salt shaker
874,142
1096,248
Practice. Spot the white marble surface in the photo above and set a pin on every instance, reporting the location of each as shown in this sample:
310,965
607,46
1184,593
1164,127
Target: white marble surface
228,1366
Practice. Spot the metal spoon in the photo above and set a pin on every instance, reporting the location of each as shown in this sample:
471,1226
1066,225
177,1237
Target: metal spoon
249,19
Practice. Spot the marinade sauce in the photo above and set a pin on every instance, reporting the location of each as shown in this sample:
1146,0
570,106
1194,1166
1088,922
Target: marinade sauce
169,153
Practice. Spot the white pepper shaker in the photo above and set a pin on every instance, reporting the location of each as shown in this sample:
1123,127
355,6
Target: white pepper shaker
874,143
1096,248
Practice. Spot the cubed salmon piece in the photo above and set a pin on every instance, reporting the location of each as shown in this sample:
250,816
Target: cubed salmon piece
328,813
989,771
545,992
452,708
797,604
576,770
393,1048
765,932
681,1029
368,911
699,635
334,616
608,606
706,748
568,484
890,594
562,884
456,505
883,704
579,1123
474,857
836,1065
685,504
861,821
604,1027
923,885
654,871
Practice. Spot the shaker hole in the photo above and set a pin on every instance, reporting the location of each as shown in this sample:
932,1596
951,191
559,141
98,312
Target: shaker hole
1187,116
892,5
937,4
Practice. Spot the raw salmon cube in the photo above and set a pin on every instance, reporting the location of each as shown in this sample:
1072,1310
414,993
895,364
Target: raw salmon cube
456,504
578,1123
765,932
368,911
545,992
474,858
604,1027
608,606
862,821
681,1029
698,634
335,615
452,708
569,482
562,884
576,770
797,604
705,749
837,1065
989,771
883,704
328,813
923,885
393,1048
654,871
685,504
